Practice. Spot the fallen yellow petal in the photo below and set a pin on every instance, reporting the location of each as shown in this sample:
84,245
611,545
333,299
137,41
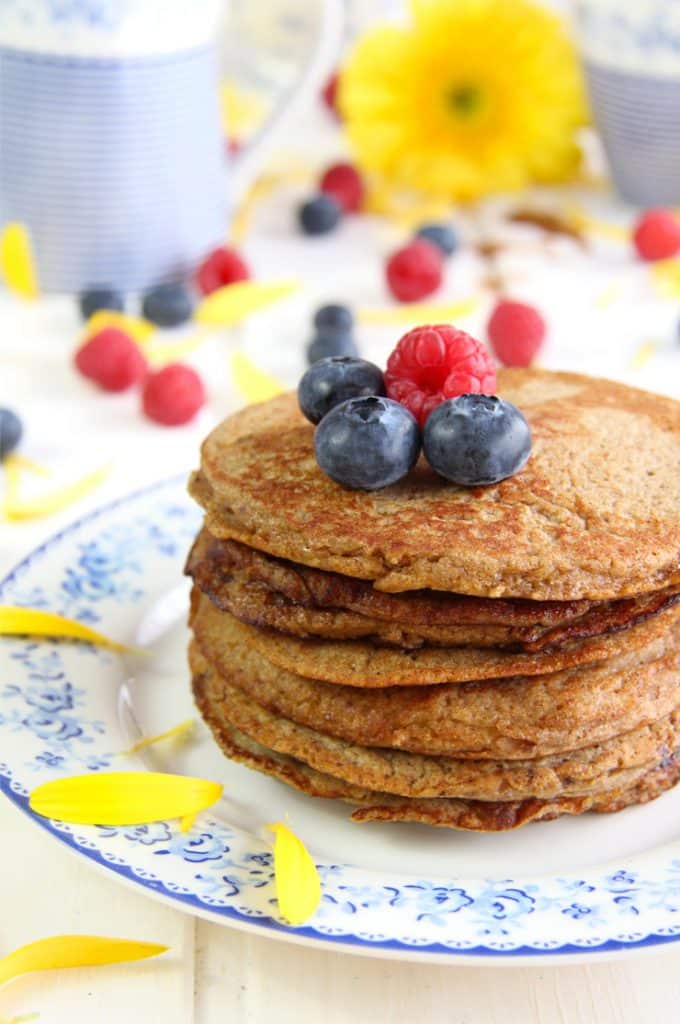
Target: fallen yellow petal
17,621
159,354
234,302
18,462
643,355
16,261
16,507
252,383
298,889
665,277
180,731
73,951
135,326
123,798
418,312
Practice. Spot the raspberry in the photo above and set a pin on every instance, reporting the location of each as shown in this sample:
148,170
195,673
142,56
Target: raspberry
173,395
516,332
344,183
223,266
329,94
111,359
431,364
414,271
657,235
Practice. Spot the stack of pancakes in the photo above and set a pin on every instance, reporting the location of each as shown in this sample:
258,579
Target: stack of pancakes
469,657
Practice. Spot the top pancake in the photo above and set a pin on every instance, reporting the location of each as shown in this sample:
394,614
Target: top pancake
595,513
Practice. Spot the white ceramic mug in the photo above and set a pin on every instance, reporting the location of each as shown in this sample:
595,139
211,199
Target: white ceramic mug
111,142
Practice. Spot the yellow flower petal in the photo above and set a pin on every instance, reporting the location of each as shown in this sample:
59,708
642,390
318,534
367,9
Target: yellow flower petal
298,889
16,261
135,326
16,507
643,355
18,462
665,277
418,312
178,732
73,951
123,798
242,110
252,383
159,354
235,302
17,621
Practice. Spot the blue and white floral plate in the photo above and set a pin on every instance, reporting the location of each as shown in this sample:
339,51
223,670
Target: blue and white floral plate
557,890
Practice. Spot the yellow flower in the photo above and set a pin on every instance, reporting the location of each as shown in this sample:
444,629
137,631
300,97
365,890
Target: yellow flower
472,97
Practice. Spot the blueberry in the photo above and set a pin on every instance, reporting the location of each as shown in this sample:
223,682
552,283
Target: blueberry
334,319
320,215
168,305
476,439
440,235
367,443
323,346
10,431
331,381
94,299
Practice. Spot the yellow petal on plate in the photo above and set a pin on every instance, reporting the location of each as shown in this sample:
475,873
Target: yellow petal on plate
17,621
123,798
643,355
298,889
235,302
35,506
178,732
418,312
253,384
16,261
73,951
18,463
665,277
161,353
138,328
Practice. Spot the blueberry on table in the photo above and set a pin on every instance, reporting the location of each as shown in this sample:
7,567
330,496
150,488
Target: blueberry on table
168,305
323,346
334,318
94,299
331,381
474,440
320,215
10,431
367,443
440,235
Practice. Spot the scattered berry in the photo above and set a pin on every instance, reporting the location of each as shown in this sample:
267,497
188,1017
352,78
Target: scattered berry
320,215
168,305
111,359
367,443
334,318
440,235
223,266
414,271
475,440
516,332
324,346
95,299
656,235
331,381
431,364
329,93
10,431
344,183
173,395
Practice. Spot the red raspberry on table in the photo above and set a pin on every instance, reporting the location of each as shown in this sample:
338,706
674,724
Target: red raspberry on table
433,363
345,184
656,235
516,332
173,395
414,271
223,266
111,359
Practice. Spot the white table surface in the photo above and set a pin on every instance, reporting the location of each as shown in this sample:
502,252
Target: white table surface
601,309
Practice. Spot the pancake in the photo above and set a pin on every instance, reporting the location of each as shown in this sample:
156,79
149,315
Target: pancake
615,764
235,579
595,513
520,717
358,663
471,815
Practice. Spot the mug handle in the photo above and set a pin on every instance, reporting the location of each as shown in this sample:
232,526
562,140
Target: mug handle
245,164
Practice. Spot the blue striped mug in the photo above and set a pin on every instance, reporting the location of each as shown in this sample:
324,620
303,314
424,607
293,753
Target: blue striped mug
111,141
